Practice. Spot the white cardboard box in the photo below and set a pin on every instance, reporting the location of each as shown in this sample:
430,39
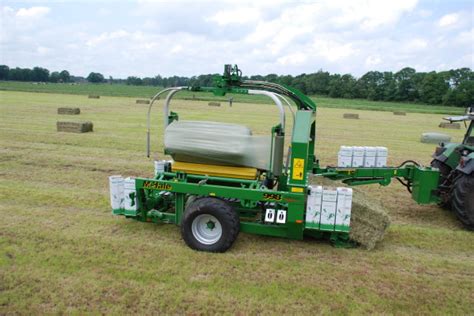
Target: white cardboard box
381,157
369,157
344,158
129,187
358,156
116,192
313,206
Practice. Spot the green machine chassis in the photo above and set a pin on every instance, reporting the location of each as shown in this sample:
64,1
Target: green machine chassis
163,199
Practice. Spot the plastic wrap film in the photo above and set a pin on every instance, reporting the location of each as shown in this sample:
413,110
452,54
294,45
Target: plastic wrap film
217,143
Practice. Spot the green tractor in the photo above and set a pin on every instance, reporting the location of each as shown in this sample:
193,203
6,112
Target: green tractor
455,162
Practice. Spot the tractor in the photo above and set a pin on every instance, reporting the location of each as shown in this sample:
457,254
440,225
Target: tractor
455,162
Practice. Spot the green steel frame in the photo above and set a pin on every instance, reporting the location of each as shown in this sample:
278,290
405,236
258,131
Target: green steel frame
163,198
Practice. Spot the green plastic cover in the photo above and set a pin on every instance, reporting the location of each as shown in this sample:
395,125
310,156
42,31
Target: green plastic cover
217,143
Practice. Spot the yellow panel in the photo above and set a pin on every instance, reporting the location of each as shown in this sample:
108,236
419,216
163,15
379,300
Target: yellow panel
297,190
215,170
298,168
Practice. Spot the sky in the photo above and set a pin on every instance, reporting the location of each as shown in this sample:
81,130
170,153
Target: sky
147,38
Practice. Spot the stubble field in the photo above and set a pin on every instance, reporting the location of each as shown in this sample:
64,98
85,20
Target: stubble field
61,250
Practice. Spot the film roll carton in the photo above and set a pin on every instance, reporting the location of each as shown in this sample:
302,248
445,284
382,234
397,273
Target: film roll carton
358,156
381,157
130,197
343,209
370,156
328,209
116,194
313,207
344,158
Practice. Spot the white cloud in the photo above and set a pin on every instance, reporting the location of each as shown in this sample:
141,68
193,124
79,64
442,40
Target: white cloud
449,20
188,38
236,16
33,12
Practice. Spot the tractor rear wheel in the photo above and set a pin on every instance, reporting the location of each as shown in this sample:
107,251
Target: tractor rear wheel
444,171
463,199
210,224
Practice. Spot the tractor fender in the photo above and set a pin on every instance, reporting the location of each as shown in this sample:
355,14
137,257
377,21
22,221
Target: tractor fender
466,165
444,151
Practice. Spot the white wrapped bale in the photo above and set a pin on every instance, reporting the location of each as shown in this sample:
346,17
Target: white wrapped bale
217,143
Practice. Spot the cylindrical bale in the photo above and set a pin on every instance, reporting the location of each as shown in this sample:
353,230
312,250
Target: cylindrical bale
435,138
93,96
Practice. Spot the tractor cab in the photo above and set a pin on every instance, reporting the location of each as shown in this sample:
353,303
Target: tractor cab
468,117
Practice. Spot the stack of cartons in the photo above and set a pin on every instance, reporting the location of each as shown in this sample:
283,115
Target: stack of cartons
123,195
357,156
329,209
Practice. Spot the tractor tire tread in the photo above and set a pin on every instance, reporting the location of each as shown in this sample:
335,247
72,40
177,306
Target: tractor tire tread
463,200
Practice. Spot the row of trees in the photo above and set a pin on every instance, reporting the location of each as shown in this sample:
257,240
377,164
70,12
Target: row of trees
36,74
453,87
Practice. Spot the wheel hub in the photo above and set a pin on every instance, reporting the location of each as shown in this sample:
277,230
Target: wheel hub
206,229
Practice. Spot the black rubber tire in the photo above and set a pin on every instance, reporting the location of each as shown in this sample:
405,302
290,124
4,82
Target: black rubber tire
223,212
463,199
444,171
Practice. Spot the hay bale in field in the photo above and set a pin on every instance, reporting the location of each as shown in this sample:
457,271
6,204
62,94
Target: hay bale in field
435,138
143,101
214,104
69,111
93,96
74,127
400,113
353,116
449,125
369,219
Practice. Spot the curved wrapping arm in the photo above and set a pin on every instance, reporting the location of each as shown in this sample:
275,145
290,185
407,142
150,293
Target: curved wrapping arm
275,99
168,98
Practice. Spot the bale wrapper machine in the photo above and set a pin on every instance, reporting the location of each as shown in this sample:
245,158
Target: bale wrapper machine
213,198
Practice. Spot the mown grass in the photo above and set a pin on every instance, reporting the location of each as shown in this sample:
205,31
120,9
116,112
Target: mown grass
149,91
61,250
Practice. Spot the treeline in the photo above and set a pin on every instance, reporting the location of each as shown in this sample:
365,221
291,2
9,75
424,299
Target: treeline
453,87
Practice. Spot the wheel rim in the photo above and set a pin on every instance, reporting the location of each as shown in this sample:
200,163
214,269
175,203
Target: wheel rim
206,229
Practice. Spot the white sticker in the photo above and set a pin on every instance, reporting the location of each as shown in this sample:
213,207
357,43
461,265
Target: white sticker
270,215
281,217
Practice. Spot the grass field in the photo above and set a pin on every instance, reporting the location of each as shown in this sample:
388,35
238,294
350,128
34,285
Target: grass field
61,250
149,91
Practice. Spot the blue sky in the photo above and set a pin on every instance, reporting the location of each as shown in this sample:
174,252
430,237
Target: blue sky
146,38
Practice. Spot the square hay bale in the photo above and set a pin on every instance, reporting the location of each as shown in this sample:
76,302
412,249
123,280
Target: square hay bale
400,113
214,104
449,125
353,116
93,96
74,127
69,111
143,102
369,219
